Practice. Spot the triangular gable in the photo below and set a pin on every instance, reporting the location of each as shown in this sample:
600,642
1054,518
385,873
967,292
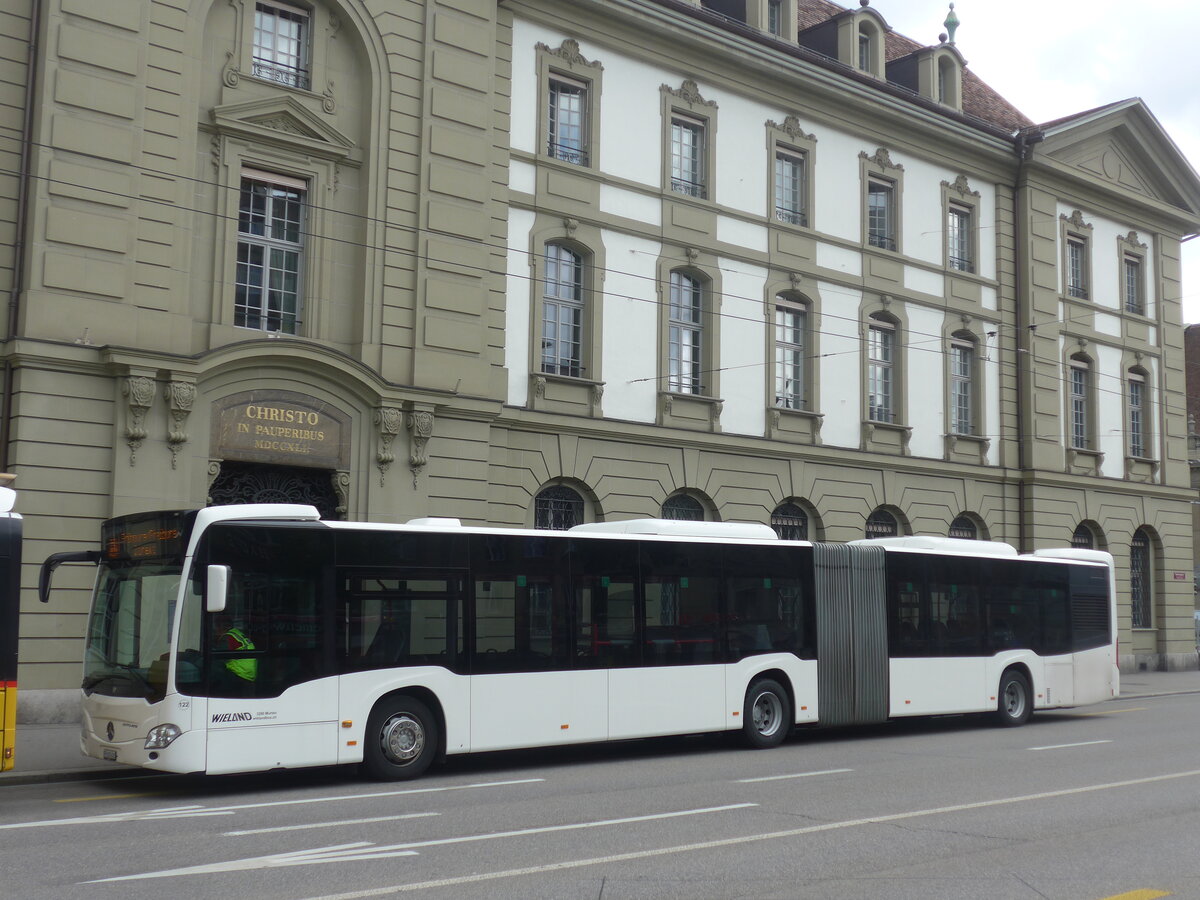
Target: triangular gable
1125,146
282,120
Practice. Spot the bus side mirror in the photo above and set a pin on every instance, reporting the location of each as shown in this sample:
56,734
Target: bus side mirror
54,560
218,584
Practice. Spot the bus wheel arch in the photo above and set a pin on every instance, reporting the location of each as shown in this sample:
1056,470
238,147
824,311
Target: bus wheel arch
405,734
1014,696
768,710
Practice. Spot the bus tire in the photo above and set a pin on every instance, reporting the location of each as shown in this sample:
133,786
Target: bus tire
1014,703
401,740
766,715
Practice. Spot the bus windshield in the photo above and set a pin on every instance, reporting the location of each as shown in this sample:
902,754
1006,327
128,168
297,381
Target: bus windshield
129,632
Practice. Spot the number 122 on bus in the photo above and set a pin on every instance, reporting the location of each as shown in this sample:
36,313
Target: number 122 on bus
247,638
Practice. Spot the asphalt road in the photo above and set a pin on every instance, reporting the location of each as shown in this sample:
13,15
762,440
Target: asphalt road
1079,805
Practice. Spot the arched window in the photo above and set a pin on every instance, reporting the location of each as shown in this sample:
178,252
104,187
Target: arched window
1141,581
562,312
685,338
683,507
790,522
1083,538
964,527
866,48
557,508
882,523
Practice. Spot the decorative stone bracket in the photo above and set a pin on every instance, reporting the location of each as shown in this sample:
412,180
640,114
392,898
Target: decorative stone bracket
180,395
420,426
387,420
138,391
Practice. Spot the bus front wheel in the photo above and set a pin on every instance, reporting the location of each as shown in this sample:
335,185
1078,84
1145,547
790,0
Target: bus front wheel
402,739
1015,700
767,714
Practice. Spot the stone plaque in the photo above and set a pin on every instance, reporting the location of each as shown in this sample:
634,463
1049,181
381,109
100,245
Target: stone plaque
281,428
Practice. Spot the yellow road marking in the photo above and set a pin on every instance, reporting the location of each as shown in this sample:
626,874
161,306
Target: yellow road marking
1113,712
1143,894
108,797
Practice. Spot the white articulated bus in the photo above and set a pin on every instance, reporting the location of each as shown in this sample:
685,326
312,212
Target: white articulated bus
246,638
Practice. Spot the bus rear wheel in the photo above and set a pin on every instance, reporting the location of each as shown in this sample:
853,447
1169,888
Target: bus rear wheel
401,741
1015,701
766,715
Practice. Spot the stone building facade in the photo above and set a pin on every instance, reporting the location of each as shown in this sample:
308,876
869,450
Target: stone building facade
524,262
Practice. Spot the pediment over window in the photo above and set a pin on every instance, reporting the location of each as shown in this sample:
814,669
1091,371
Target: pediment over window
1125,146
282,121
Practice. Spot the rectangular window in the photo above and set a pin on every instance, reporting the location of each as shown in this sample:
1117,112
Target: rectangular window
562,313
1137,434
880,355
1077,285
958,239
567,121
281,44
685,335
269,252
864,52
789,187
791,324
881,201
1132,278
1079,407
687,157
962,365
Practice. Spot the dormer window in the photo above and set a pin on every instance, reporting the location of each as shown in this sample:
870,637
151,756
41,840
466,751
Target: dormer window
775,17
864,49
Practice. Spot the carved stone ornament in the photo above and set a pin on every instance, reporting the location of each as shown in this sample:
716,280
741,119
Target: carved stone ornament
569,53
180,397
791,127
1131,240
340,481
420,424
231,75
692,254
388,420
328,101
796,280
1075,220
597,393
689,92
715,412
139,393
214,470
882,158
539,386
961,186
570,225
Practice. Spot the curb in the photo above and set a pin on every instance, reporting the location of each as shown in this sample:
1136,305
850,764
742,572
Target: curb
51,775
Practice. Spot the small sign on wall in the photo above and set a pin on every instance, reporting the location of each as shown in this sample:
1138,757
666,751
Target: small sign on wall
1181,576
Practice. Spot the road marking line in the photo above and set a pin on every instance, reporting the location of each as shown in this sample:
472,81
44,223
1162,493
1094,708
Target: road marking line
796,775
186,811
108,797
1065,746
364,850
329,824
745,839
1143,894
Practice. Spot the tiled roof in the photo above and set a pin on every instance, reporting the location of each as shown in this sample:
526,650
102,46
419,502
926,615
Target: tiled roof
979,100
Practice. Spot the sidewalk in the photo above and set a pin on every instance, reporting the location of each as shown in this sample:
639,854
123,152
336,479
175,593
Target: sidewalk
51,752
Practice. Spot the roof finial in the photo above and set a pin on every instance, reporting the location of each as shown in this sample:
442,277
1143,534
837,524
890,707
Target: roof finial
951,23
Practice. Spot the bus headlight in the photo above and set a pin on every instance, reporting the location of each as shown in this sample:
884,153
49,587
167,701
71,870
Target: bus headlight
161,736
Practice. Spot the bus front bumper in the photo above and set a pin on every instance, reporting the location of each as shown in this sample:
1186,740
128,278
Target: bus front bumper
184,755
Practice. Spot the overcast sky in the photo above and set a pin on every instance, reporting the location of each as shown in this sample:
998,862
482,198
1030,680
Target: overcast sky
1052,59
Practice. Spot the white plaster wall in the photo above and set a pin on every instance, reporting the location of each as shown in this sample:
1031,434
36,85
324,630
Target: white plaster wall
1108,324
933,283
839,259
619,201
517,311
742,234
1110,410
630,336
523,123
745,167
841,378
923,231
836,208
992,354
924,381
522,176
743,345
988,298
